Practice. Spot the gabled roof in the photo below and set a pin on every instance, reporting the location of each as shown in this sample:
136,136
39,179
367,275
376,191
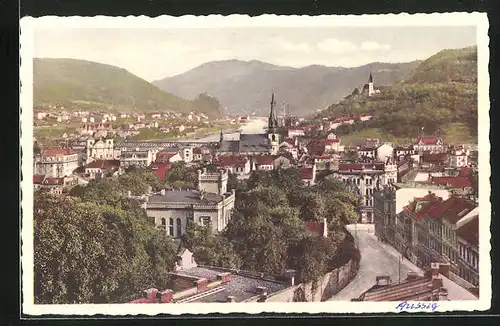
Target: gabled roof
453,182
452,209
264,160
37,179
165,156
429,140
53,181
231,160
306,173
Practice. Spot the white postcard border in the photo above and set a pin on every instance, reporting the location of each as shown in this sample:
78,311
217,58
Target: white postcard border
28,24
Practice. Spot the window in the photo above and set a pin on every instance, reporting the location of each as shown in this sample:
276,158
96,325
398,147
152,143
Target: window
163,222
171,227
179,227
205,220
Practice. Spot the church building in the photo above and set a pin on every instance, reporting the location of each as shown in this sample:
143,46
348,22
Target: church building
254,144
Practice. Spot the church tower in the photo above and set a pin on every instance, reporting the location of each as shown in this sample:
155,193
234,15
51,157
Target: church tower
371,90
272,130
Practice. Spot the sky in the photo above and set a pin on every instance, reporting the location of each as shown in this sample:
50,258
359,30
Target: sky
154,54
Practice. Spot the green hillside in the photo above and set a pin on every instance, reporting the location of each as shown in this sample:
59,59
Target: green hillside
441,93
90,85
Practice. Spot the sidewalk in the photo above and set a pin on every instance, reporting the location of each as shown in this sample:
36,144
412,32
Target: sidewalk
393,252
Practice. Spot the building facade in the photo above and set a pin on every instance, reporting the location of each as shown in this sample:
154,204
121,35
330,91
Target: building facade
211,205
57,163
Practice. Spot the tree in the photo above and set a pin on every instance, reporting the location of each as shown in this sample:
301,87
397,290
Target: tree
180,176
94,253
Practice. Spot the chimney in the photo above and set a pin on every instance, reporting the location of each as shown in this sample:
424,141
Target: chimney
437,283
444,269
150,294
231,298
443,294
162,192
325,228
434,269
261,290
201,284
224,277
165,296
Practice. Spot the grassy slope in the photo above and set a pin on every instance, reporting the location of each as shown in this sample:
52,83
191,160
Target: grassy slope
441,95
90,85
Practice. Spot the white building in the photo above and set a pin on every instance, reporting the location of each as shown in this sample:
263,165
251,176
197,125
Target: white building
366,177
458,158
429,144
102,149
139,158
57,163
294,132
211,205
384,152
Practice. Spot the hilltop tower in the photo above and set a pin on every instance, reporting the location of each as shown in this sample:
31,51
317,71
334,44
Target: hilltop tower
272,130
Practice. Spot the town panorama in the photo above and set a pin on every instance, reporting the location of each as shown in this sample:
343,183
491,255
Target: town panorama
269,183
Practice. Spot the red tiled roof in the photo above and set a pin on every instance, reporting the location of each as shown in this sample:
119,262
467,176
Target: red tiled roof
360,166
104,164
331,141
159,169
434,157
264,160
452,209
315,227
453,182
38,178
429,140
196,150
317,147
57,152
365,115
231,160
53,181
139,123
470,232
164,157
465,172
306,173
290,141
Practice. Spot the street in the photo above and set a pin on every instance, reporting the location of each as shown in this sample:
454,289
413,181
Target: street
377,259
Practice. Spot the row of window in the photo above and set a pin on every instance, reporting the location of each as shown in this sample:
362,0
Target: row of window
204,221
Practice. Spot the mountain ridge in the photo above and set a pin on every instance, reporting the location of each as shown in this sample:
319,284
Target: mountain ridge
245,86
92,85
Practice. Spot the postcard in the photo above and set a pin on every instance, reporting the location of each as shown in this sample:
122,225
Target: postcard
236,164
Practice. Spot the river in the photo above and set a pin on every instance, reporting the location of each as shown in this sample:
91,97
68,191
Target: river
255,125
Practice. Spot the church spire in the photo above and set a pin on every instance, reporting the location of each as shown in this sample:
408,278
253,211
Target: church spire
271,124
370,79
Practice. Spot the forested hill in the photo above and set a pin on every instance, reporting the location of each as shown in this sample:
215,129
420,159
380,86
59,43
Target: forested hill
84,84
441,93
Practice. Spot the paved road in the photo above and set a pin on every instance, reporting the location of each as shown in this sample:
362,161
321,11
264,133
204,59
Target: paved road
377,259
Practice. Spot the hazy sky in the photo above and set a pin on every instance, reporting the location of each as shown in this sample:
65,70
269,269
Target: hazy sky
157,53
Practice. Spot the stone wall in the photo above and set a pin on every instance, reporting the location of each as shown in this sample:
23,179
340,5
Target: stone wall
329,285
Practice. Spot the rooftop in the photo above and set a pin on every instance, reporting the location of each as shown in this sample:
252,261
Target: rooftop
241,287
470,232
185,196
